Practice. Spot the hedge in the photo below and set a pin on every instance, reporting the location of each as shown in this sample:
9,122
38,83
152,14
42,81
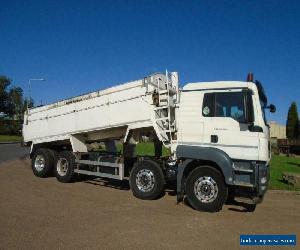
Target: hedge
10,127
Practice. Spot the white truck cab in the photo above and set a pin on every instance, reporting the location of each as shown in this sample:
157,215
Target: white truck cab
225,117
223,124
216,131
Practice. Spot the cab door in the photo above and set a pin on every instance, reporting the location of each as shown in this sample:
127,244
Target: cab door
227,115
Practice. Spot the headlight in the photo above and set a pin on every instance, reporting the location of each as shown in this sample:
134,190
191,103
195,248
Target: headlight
263,180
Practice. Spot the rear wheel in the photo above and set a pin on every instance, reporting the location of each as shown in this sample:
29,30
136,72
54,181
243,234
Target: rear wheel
64,167
206,189
146,180
42,162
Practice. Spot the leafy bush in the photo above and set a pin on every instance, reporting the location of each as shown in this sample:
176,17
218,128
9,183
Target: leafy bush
10,127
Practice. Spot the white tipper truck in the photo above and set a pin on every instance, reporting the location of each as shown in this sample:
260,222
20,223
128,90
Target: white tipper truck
216,133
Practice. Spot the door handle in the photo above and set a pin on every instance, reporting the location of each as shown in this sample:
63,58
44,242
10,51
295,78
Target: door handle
214,138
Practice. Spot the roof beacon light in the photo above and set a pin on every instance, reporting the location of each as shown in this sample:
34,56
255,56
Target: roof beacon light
250,77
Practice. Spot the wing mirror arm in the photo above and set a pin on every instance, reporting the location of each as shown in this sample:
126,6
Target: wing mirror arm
255,128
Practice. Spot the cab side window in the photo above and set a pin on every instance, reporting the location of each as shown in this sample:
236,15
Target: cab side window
208,107
226,104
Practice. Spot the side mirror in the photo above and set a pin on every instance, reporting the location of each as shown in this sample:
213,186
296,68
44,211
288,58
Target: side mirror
272,108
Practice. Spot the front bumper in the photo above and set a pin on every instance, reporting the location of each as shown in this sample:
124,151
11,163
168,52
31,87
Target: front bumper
251,181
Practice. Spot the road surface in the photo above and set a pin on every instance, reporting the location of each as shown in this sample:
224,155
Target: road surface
41,213
12,151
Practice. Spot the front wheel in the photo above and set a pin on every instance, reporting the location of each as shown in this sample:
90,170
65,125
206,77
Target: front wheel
206,189
250,207
146,180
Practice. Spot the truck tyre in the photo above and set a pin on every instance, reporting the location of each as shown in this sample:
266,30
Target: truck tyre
64,167
250,207
206,189
146,180
42,162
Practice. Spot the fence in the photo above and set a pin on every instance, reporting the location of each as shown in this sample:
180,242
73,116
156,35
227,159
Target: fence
288,146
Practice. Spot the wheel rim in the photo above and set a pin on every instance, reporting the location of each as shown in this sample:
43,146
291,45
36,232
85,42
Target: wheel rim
206,189
39,163
62,166
145,180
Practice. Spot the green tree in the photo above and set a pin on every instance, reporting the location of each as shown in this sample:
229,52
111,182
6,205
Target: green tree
15,103
4,83
299,129
12,102
292,123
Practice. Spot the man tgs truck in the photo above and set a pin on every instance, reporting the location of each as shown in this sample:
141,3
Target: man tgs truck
216,132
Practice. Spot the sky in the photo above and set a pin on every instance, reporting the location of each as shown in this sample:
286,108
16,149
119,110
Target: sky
82,46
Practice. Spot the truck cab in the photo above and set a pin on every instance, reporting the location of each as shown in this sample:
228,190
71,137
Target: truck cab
222,125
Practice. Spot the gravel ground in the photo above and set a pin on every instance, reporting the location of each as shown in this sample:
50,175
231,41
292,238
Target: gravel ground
100,214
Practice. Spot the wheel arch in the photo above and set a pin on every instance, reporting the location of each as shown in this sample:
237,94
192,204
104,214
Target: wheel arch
194,156
206,155
200,163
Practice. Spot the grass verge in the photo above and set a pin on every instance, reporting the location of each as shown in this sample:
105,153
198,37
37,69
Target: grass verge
8,138
280,164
